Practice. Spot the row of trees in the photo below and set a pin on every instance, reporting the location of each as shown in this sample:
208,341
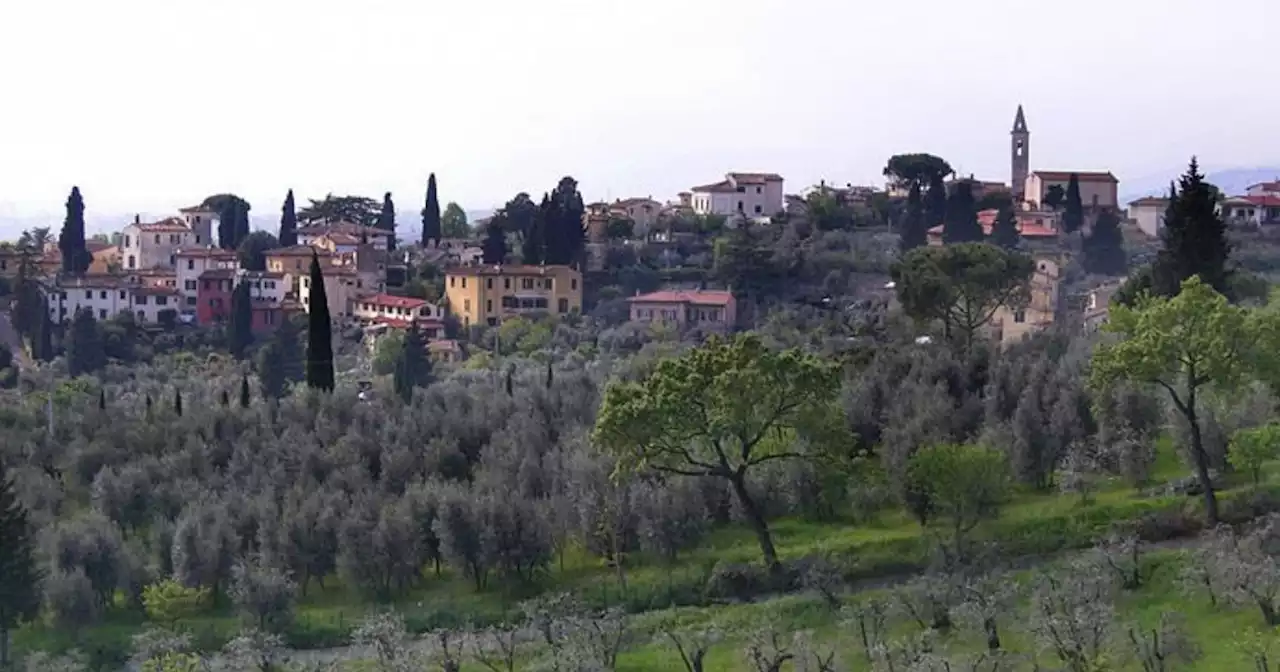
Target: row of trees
550,232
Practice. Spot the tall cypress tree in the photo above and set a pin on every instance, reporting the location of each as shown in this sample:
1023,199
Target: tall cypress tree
177,402
242,223
1104,247
413,366
244,391
228,219
75,254
1004,232
961,224
19,573
241,332
387,220
319,334
288,222
494,246
86,352
1073,207
533,246
1194,238
431,213
42,344
935,202
914,232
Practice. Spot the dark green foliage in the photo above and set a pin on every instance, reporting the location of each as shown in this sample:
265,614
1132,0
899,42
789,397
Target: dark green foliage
319,334
240,334
85,351
1194,239
1073,210
244,391
224,399
75,255
242,224
1054,197
252,251
563,237
387,220
19,575
1104,247
42,344
334,209
288,222
913,231
280,362
533,238
413,366
961,224
935,203
177,402
916,170
29,302
233,219
495,242
1004,233
102,400
431,213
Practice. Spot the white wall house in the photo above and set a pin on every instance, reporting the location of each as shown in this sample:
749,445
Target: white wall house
394,309
191,264
1149,213
104,296
265,286
746,194
201,221
156,244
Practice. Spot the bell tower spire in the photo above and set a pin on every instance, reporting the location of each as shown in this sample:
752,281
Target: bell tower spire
1020,158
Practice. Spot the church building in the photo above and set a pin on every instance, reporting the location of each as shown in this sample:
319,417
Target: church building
1097,189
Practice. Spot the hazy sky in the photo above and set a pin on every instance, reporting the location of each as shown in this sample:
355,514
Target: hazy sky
153,104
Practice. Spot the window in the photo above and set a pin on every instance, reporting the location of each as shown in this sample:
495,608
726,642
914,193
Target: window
189,285
488,283
759,209
131,261
548,284
141,299
563,305
126,241
142,316
464,283
102,313
191,300
488,306
162,300
102,294
122,295
452,280
573,284
197,239
758,190
88,294
191,264
466,305
173,239
493,321
506,283
742,190
1019,316
510,302
527,283
173,261
157,239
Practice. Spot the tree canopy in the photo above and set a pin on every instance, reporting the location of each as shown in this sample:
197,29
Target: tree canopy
240,332
19,575
333,209
962,286
721,410
71,241
494,247
288,222
1194,239
916,170
319,333
453,224
961,222
1004,233
432,228
252,251
1104,251
1073,207
913,230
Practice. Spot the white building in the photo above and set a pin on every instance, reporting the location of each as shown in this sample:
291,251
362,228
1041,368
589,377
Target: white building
312,235
747,194
201,221
150,303
104,295
395,310
156,244
265,286
340,287
1149,214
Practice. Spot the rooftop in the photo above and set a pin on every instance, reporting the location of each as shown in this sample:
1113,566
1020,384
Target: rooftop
297,251
155,291
754,178
699,297
391,301
219,273
509,269
1083,176
206,253
1150,200
169,225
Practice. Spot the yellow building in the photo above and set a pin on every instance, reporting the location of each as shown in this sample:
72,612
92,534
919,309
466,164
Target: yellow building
1012,324
488,294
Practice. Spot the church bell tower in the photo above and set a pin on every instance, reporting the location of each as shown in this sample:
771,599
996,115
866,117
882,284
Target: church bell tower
1021,158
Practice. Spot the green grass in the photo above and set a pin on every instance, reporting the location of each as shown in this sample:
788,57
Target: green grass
891,545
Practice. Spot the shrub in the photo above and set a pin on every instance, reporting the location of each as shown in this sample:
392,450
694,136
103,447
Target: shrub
169,601
737,581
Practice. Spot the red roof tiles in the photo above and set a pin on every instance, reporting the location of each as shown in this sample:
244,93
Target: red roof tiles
391,301
700,297
1086,176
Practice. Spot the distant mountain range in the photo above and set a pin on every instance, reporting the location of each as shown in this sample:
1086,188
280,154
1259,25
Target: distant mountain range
1232,181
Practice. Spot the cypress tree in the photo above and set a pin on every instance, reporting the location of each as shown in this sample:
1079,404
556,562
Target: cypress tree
19,574
533,245
1194,238
550,373
288,222
241,332
413,366
511,383
102,400
494,246
1073,207
1004,232
319,334
914,232
228,218
177,402
1104,246
431,213
242,223
961,225
85,350
387,220
279,362
244,391
935,202
42,345
75,255
224,398
148,404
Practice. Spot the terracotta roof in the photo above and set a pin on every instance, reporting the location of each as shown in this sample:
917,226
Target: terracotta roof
197,208
263,275
297,251
696,297
723,186
219,274
1025,228
391,301
153,272
1264,201
1083,176
94,281
396,323
169,225
155,291
206,253
509,269
754,178
1150,200
340,238
1267,186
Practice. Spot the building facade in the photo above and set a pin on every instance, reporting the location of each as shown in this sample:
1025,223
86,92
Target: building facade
1097,190
340,289
714,310
1020,154
103,295
1011,324
156,244
745,194
488,294
213,296
1148,213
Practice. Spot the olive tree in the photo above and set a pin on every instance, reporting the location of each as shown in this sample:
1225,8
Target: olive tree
959,486
720,411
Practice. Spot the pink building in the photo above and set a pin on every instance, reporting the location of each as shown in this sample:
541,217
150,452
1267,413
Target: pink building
694,308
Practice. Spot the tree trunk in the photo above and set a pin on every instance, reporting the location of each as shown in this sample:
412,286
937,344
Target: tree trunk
757,521
1201,459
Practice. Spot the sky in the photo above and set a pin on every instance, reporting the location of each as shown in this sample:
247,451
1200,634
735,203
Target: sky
149,105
